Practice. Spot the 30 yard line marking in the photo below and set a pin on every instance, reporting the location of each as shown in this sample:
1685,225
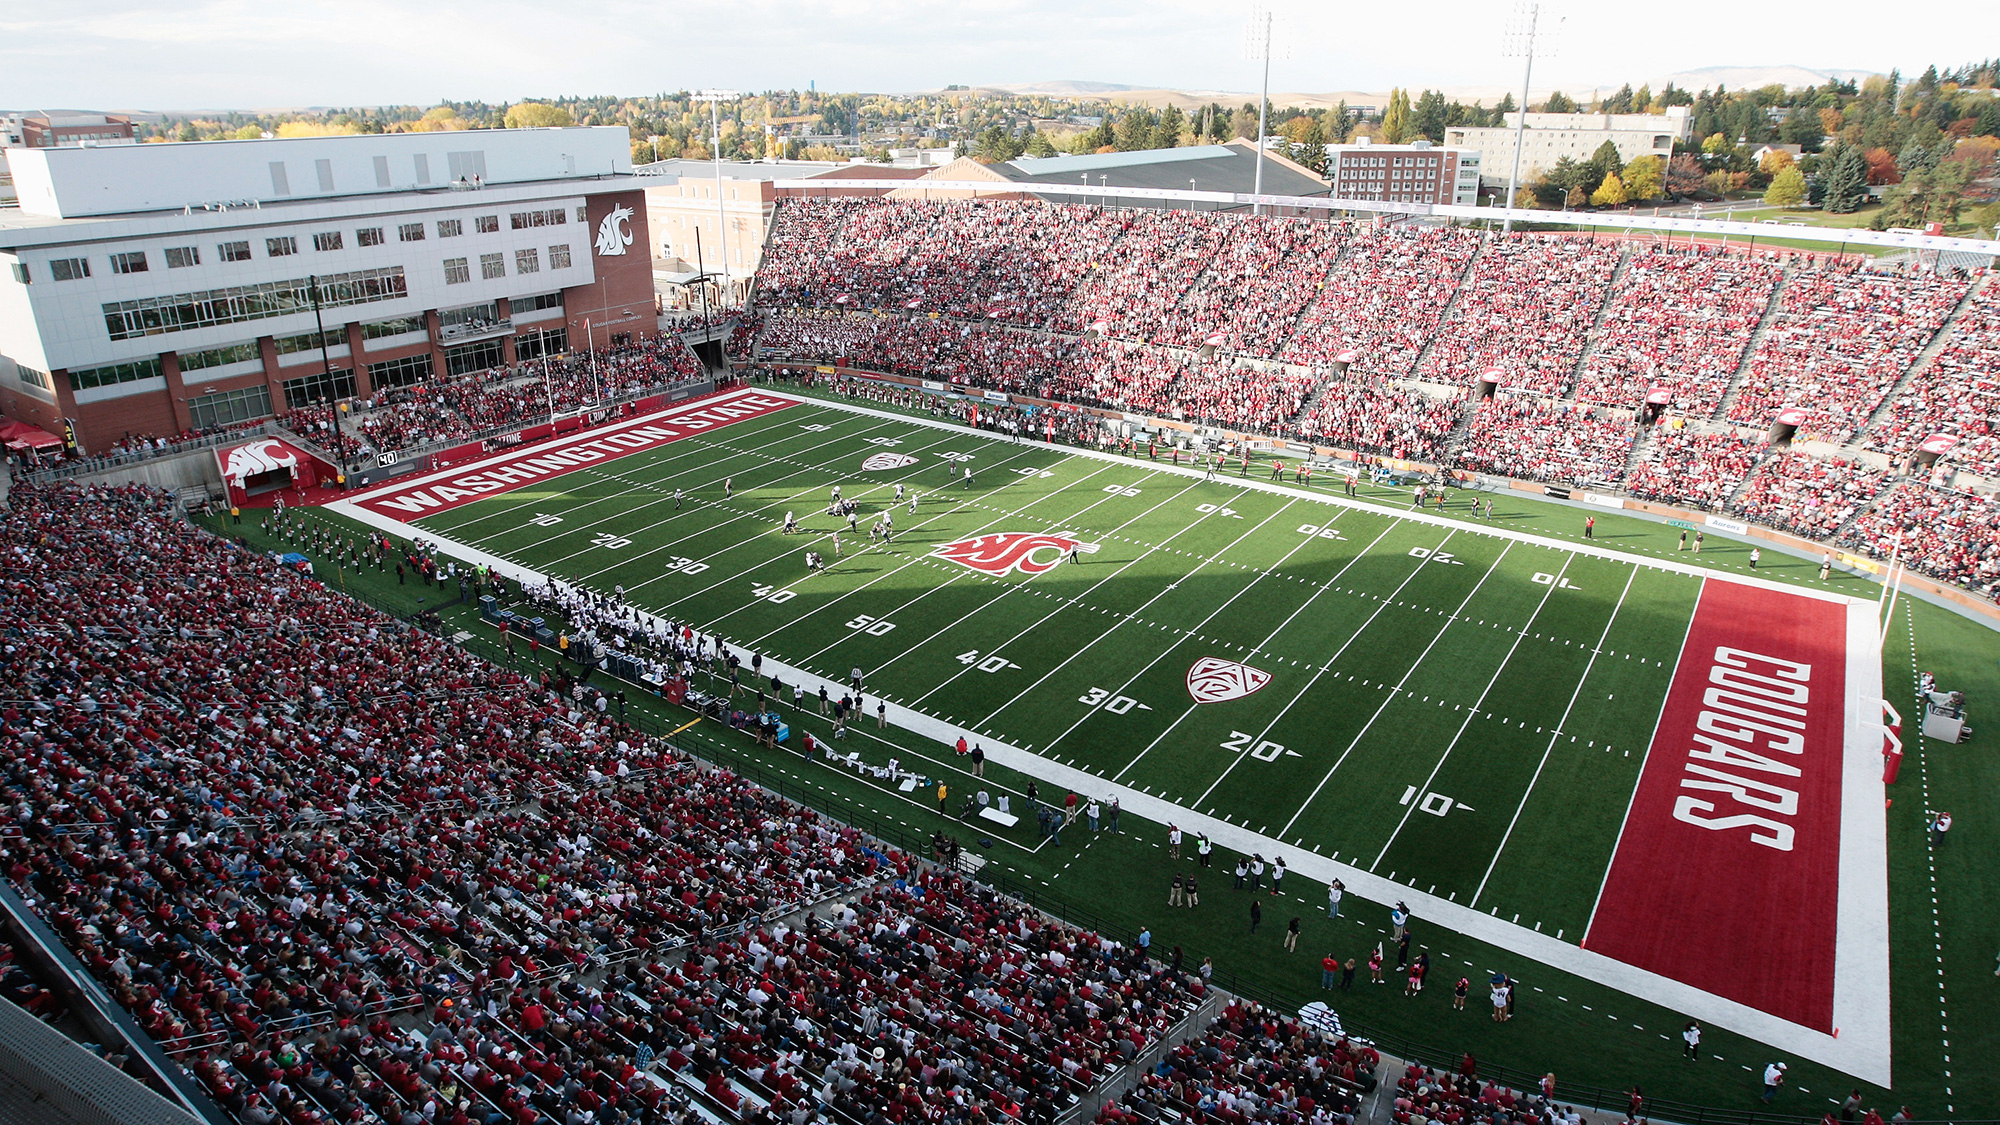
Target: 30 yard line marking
1556,734
1395,691
1547,593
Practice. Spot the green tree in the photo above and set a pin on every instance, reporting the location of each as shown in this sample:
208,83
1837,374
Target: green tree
1620,102
1135,130
1167,132
1559,102
1605,162
1305,143
1038,145
1428,116
1788,188
1644,179
1245,123
1339,124
1927,195
537,115
1397,128
1610,193
1716,144
1642,102
1915,158
1503,107
1846,180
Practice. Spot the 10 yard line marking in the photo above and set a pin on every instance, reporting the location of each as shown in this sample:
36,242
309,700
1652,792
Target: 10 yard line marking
1557,734
1397,690
1548,592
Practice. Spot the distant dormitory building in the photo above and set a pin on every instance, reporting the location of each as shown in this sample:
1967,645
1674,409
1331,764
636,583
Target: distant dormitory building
152,289
59,130
1412,173
1551,136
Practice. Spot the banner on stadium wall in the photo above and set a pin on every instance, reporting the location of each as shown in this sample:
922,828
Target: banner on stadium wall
933,385
1602,500
1858,563
825,370
994,396
1684,525
1736,526
1553,492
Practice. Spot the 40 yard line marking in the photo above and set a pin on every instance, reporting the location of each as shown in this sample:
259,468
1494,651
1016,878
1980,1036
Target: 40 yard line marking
1553,736
1472,711
1397,690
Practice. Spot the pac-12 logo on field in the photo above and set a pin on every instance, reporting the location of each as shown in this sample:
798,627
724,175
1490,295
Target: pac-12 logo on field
1215,680
1026,551
878,461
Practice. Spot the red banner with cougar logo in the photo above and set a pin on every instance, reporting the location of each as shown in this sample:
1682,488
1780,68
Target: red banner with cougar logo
1727,874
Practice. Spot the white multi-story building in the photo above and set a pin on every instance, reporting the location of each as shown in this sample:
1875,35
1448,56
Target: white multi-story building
1551,136
153,289
1413,173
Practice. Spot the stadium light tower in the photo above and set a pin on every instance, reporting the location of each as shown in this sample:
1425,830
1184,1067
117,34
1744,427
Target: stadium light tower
1260,42
1530,32
715,98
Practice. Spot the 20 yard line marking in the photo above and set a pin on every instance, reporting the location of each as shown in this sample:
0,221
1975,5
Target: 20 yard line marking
1550,748
1395,691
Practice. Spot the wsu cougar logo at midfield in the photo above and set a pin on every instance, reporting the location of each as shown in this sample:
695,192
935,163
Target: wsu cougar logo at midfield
1029,552
1214,680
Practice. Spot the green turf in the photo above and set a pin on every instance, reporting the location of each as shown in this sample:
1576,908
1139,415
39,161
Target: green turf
1172,582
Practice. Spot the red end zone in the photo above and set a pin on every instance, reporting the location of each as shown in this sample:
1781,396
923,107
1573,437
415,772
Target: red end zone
441,492
1727,874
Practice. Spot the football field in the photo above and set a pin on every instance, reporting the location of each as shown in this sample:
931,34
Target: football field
1429,702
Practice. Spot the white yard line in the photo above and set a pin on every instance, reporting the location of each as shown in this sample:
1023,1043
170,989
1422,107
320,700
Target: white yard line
1398,689
1326,665
1472,712
1554,736
1067,602
1122,621
961,573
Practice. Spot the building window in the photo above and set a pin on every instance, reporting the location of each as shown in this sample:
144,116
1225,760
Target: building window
580,214
401,372
114,374
218,357
527,260
559,257
327,240
456,272
225,408
472,357
310,341
375,330
487,224
492,266
179,312
411,232
282,246
181,257
535,345
368,236
537,302
316,387
450,228
20,272
234,251
522,220
34,378
133,262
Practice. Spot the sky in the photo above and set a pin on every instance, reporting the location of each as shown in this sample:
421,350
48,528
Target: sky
208,54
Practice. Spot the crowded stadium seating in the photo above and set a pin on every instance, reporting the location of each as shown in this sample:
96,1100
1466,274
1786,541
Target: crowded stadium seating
360,871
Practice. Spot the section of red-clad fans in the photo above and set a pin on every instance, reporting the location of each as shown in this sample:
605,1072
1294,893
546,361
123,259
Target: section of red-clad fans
1531,438
1524,308
1678,320
1951,536
1959,394
1842,337
1253,1064
1808,495
280,827
1384,300
1692,468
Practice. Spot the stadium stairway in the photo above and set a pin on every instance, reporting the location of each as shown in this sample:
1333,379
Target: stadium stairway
1596,328
1437,330
1922,363
1750,349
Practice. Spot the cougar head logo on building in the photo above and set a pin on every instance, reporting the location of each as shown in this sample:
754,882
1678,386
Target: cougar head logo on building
1215,680
260,457
879,461
613,234
1029,552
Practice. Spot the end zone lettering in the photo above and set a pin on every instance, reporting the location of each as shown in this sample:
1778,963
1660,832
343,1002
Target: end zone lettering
1742,709
441,494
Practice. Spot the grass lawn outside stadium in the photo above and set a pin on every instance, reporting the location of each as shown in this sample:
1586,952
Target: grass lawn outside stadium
1461,712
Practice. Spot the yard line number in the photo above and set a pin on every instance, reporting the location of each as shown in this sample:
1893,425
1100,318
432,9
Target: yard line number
1264,751
995,663
1105,701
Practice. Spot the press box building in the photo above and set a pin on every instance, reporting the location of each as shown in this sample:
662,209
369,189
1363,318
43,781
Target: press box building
152,289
